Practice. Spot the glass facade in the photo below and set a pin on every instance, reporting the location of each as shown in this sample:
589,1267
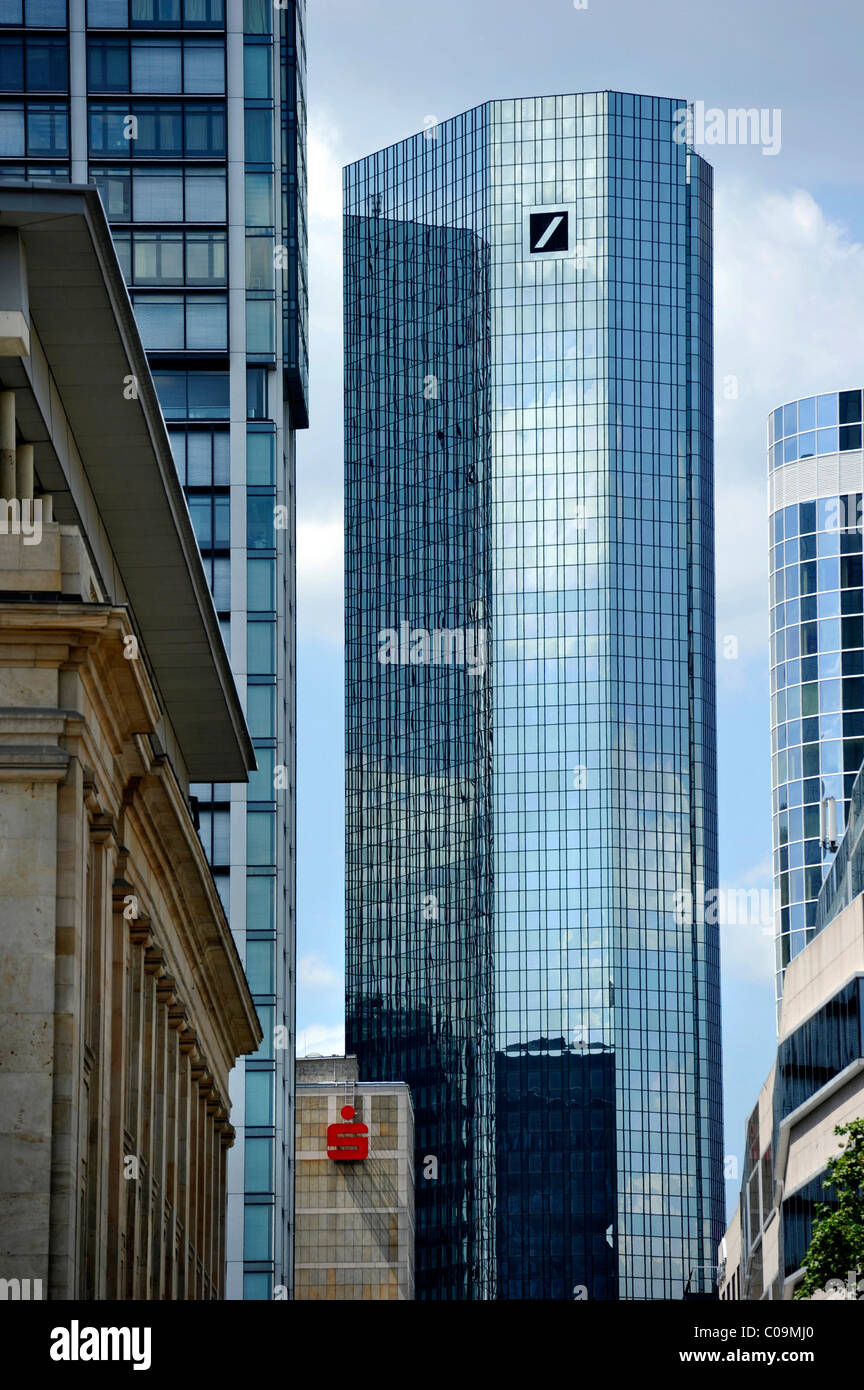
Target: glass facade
817,647
188,115
530,773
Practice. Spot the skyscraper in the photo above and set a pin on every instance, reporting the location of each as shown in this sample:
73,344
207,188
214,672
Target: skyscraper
817,635
530,773
189,117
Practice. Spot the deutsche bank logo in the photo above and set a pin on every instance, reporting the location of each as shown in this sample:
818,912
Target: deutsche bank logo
548,231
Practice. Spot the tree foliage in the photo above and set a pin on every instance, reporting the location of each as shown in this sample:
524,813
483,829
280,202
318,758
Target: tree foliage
837,1243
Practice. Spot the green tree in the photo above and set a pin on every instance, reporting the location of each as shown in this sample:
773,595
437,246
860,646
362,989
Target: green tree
837,1242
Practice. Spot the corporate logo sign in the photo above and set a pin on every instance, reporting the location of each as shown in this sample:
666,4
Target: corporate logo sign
550,232
347,1143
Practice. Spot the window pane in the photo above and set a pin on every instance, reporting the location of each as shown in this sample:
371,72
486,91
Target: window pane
256,16
11,130
201,513
123,247
260,837
259,458
260,529
11,64
206,258
258,1153
260,586
256,70
11,12
200,458
205,129
222,583
260,903
259,137
259,200
204,14
205,196
261,648
158,195
51,13
47,128
107,129
259,1098
160,129
203,66
46,65
107,14
206,323
260,786
171,390
221,459
208,396
256,1233
115,189
160,321
260,325
259,263
158,258
108,65
156,65
156,13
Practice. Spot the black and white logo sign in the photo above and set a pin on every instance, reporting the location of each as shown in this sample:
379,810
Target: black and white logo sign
549,231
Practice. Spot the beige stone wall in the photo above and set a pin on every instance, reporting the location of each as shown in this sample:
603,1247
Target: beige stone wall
354,1222
123,1005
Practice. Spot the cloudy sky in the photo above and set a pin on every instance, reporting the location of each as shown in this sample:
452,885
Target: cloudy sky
789,292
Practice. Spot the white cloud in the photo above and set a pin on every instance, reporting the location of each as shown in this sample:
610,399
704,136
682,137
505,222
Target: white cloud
320,565
788,278
313,973
325,1039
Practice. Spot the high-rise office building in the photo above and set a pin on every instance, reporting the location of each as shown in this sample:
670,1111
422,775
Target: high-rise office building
816,481
189,117
530,690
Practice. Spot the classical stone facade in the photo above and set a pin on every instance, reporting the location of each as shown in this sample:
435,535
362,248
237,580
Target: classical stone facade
123,1003
354,1221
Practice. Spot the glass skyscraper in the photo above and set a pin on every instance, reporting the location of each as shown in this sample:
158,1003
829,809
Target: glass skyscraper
816,481
189,115
530,777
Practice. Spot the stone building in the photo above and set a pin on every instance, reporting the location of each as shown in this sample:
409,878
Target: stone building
815,1084
354,1209
123,1003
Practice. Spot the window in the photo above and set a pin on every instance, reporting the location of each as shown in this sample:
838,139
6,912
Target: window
260,528
157,258
204,127
256,16
174,258
256,393
259,200
203,67
257,71
201,456
32,64
177,322
193,395
261,648
46,14
260,451
259,135
157,65
260,326
108,65
155,14
33,128
258,1153
211,521
206,258
259,263
259,1099
155,128
260,587
260,837
162,195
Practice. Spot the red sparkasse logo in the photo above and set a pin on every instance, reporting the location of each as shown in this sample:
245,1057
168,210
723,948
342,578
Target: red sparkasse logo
347,1143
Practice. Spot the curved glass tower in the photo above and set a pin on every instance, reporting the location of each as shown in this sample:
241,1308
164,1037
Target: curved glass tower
530,690
817,635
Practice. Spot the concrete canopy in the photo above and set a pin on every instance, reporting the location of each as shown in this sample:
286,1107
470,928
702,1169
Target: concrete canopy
81,312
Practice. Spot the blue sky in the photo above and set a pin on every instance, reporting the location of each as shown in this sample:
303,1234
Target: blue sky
789,291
